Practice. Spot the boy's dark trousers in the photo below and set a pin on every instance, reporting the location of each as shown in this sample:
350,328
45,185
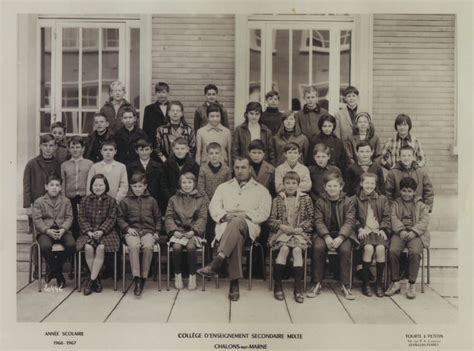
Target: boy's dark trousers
75,201
415,248
209,236
56,260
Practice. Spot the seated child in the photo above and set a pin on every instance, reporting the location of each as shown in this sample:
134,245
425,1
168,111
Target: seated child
271,117
127,136
322,156
179,162
52,218
185,223
214,132
200,116
261,170
114,108
334,219
292,155
74,176
115,172
97,137
291,224
151,168
373,228
363,130
175,127
289,131
410,220
139,219
391,149
338,157
364,164
155,113
408,167
345,117
58,129
97,219
308,118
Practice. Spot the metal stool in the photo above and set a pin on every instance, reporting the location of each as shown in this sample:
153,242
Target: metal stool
405,251
79,267
305,267
156,249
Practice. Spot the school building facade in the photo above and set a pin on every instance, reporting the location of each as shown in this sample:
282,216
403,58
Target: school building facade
401,63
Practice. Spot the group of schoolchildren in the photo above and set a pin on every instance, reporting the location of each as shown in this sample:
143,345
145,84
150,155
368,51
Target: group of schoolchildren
326,175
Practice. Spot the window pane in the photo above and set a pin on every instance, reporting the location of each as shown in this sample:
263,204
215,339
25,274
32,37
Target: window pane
90,67
346,47
70,69
110,60
45,122
255,45
87,122
135,67
45,68
71,119
280,66
300,67
320,74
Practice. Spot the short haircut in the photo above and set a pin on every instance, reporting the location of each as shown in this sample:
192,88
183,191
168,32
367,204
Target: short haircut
104,178
76,140
368,175
291,175
320,147
188,175
210,87
252,106
272,93
213,146
327,118
176,103
142,143
363,143
109,143
162,86
58,124
138,177
129,109
46,138
403,118
214,108
53,177
407,147
351,90
180,141
256,144
408,183
98,114
291,146
333,176
116,84
241,158
310,89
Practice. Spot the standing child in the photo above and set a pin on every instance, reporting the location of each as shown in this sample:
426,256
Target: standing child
334,219
403,137
127,136
97,137
114,108
373,227
114,171
291,224
200,116
292,154
175,127
260,170
214,132
155,114
289,131
364,164
410,220
308,118
97,219
321,155
139,219
185,222
58,129
271,117
74,176
52,218
252,129
363,130
178,163
327,125
345,117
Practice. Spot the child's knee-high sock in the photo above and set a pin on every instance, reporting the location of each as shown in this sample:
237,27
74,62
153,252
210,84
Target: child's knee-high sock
298,271
365,272
380,266
278,274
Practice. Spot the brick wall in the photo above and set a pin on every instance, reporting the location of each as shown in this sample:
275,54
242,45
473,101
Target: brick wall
190,52
414,73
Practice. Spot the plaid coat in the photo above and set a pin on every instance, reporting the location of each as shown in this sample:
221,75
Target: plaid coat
98,213
391,151
166,134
